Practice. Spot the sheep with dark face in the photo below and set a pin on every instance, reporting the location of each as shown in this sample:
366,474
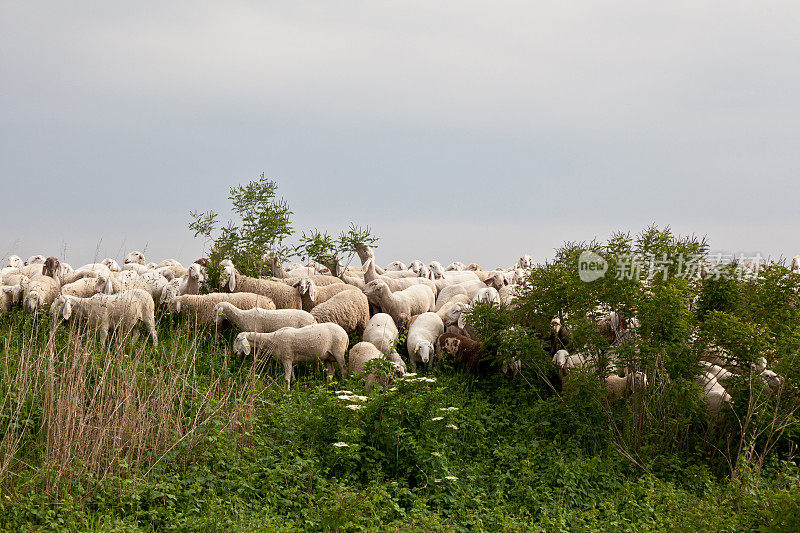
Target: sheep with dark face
464,351
52,268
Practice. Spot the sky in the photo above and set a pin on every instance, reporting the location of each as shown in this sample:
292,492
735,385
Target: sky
466,131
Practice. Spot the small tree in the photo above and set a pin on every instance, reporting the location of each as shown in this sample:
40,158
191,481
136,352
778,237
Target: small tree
334,253
263,225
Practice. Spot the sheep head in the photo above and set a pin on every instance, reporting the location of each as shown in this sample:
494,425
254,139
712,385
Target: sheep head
15,261
424,350
227,279
241,346
112,265
52,268
415,266
135,257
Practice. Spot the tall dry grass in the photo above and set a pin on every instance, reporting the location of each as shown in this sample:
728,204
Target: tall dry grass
74,410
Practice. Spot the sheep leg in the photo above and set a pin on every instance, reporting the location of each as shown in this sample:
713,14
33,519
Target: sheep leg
287,373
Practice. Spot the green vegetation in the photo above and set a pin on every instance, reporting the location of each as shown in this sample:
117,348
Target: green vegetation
189,437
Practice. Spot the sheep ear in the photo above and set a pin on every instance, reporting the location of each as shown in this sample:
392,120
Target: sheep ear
232,282
246,346
488,282
312,292
67,311
178,306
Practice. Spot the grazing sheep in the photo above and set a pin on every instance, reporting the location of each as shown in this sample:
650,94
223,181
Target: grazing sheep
136,257
349,309
619,386
201,306
39,291
123,310
260,320
411,301
382,332
715,394
156,282
422,335
284,296
464,351
360,355
317,342
313,295
10,296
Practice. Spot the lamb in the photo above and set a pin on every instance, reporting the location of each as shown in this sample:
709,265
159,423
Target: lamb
411,301
422,335
619,386
39,291
284,296
135,258
123,310
360,355
316,342
313,295
349,309
382,332
463,350
260,320
201,306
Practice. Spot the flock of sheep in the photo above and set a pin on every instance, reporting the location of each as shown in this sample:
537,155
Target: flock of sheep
306,313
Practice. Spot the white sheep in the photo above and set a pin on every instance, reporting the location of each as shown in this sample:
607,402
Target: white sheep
361,354
10,296
313,295
415,266
260,320
136,257
14,261
382,332
715,394
296,274
396,284
84,287
316,342
411,301
112,265
486,295
201,306
285,296
136,267
422,335
468,288
796,264
349,309
123,310
455,266
618,386
156,282
525,262
39,291
35,260
395,266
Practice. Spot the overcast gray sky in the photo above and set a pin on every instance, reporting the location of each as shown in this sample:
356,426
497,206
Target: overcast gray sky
456,130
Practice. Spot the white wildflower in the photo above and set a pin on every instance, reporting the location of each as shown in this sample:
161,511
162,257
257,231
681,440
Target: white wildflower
354,407
411,374
341,444
428,380
452,426
451,478
437,418
436,454
343,392
437,480
448,408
